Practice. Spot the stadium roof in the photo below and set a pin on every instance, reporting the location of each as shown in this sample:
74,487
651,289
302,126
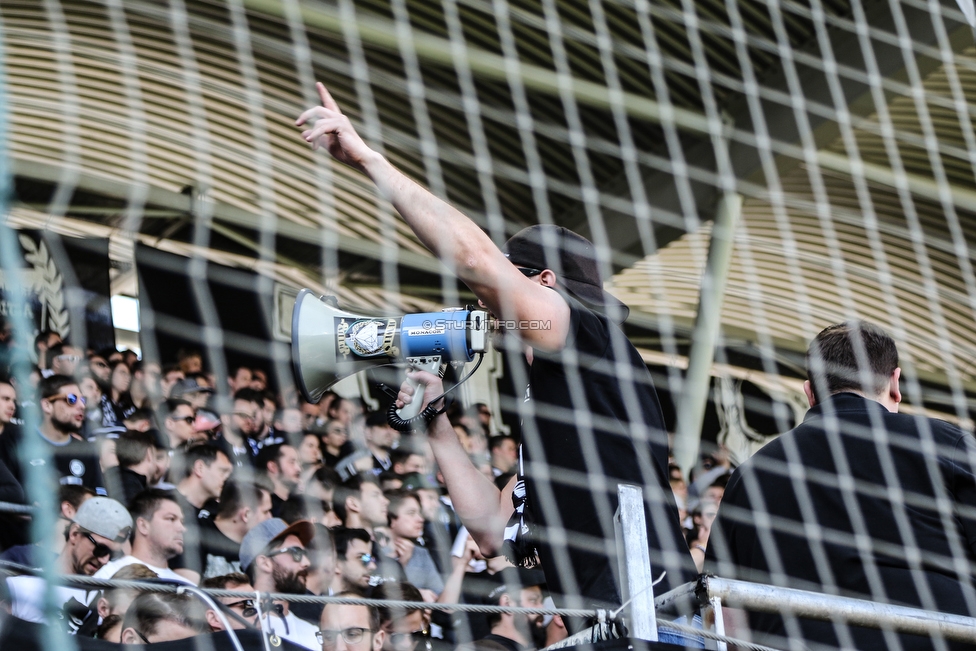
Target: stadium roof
854,149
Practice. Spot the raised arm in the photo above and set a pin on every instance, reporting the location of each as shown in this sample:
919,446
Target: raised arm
451,236
483,509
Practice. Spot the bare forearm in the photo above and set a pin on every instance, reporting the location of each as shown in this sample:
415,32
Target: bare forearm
449,234
476,500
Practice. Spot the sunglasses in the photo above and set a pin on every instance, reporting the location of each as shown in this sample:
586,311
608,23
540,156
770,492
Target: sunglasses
145,639
366,559
529,273
247,607
71,398
296,553
407,640
102,550
352,635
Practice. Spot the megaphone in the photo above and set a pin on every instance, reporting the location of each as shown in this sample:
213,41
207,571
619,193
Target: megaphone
329,344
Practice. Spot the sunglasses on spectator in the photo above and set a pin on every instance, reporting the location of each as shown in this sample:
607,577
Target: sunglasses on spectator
366,559
529,273
296,553
145,639
352,635
246,607
102,550
407,640
71,398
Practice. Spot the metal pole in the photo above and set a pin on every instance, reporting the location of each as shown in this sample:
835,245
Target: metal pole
855,612
637,583
694,394
716,604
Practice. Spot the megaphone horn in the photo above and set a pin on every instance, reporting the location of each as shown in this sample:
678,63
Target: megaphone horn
329,344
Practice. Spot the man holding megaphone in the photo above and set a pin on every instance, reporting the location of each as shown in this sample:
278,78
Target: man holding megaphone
591,419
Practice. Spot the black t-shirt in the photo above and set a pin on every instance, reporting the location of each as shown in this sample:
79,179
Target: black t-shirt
594,418
898,471
76,462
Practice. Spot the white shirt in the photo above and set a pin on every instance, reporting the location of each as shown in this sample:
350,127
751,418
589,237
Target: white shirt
27,598
292,629
109,570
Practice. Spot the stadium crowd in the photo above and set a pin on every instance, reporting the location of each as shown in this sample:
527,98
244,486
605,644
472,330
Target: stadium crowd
165,475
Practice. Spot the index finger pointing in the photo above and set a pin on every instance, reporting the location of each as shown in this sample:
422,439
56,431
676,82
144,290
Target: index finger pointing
326,98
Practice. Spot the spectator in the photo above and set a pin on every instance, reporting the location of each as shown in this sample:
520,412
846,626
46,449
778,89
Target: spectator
380,439
157,535
171,375
702,518
319,494
288,421
406,460
189,360
335,443
163,617
62,359
115,601
70,499
910,479
321,572
350,627
341,410
245,424
407,527
8,407
139,420
517,632
504,454
205,469
441,524
145,390
403,629
100,528
309,452
119,400
279,463
177,420
243,505
240,612
136,454
239,378
355,562
360,503
62,417
194,388
100,369
274,556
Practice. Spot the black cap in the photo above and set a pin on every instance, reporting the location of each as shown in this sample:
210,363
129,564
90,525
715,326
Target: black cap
577,271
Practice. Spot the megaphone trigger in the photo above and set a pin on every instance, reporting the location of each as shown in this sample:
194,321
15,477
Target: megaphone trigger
431,365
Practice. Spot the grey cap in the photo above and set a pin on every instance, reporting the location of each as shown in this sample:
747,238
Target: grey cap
262,535
105,517
188,385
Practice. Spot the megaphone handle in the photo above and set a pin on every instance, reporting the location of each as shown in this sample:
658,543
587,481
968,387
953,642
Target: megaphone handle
429,364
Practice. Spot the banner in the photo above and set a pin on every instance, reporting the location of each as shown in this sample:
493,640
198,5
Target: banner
67,287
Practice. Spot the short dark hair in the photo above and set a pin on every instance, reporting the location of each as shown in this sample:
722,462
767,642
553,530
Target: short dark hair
498,439
205,452
834,356
266,455
221,582
74,494
150,608
141,413
398,497
250,395
396,591
237,494
132,446
374,615
169,407
342,535
51,386
351,487
145,504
